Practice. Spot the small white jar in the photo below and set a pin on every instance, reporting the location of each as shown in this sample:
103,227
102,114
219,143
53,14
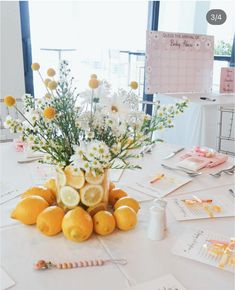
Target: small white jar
156,224
162,204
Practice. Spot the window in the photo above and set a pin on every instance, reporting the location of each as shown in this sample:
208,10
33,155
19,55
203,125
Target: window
95,37
190,17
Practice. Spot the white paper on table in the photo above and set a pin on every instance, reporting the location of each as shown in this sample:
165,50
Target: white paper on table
5,280
140,196
8,192
191,245
167,282
181,211
169,183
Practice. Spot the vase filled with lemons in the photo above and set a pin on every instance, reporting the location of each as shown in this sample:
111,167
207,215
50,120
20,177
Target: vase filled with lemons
83,135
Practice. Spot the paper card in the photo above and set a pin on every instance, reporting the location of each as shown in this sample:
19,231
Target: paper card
136,194
6,280
227,80
178,62
8,193
165,183
182,211
167,282
191,245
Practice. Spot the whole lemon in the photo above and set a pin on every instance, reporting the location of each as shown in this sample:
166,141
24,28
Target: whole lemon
125,217
111,186
44,192
28,209
104,222
77,225
49,221
128,201
115,194
51,184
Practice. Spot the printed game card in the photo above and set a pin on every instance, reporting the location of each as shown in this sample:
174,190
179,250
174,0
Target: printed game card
167,282
208,248
160,183
179,62
8,192
202,205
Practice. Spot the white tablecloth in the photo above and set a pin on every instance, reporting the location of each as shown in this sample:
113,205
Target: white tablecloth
22,245
198,125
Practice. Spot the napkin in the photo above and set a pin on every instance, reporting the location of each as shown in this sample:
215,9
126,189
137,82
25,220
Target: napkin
211,161
19,145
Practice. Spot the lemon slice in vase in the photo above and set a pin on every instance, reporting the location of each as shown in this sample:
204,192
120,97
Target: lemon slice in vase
91,194
61,178
74,178
69,196
94,179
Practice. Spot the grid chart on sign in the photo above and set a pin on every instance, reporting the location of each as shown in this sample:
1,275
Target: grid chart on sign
178,62
183,211
192,245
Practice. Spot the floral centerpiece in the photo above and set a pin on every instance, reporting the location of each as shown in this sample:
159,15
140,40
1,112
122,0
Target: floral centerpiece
86,134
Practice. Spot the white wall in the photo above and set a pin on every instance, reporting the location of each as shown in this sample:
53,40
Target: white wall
12,70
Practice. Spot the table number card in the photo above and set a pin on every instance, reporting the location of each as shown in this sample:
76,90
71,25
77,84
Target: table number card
227,80
225,202
191,245
178,62
167,282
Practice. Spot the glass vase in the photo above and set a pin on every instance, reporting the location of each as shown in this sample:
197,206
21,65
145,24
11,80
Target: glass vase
65,185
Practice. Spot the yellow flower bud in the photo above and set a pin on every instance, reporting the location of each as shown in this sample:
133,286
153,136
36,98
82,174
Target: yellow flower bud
9,101
35,66
93,76
134,85
51,72
46,82
93,83
49,113
52,85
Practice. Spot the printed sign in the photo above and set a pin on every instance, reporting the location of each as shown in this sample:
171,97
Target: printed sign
179,62
227,80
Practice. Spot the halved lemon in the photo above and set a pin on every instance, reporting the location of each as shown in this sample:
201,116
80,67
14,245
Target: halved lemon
91,194
69,196
92,179
61,178
74,179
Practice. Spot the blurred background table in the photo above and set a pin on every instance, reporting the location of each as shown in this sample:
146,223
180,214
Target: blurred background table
201,122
